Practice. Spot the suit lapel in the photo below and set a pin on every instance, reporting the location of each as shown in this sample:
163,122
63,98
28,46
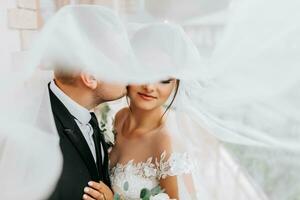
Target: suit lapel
72,131
79,142
105,149
105,162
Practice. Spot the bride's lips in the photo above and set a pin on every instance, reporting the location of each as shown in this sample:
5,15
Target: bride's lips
146,97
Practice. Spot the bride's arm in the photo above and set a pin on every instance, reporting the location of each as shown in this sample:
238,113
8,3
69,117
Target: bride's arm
169,184
163,152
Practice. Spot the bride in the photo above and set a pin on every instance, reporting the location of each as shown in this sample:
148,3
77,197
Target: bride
143,148
143,156
155,146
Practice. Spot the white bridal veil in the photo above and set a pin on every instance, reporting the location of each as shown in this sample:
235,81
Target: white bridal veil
30,158
236,113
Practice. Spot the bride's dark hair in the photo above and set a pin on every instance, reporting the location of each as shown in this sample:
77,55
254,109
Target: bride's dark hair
174,96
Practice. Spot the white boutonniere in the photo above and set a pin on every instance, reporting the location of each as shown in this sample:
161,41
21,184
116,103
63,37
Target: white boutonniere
108,131
106,122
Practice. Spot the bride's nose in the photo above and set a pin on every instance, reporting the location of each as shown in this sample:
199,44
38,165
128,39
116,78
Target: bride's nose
148,87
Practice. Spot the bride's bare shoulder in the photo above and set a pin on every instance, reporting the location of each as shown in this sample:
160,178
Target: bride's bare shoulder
163,142
121,114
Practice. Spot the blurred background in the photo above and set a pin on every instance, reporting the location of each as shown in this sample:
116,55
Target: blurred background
21,20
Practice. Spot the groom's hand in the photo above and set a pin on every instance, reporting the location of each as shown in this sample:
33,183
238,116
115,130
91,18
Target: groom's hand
97,191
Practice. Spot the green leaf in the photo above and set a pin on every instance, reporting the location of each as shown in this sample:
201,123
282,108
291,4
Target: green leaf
116,196
156,190
145,194
126,186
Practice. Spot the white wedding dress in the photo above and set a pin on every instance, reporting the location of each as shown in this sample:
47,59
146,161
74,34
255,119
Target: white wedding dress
209,173
129,179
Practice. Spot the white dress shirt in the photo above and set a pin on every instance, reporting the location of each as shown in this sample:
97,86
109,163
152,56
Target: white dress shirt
82,117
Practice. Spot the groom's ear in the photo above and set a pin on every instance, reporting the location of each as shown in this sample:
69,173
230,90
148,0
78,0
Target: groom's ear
89,80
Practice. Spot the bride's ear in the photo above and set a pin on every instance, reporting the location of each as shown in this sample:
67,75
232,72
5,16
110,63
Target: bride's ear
89,80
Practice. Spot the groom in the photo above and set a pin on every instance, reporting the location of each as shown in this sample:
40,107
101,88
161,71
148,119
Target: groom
72,95
85,37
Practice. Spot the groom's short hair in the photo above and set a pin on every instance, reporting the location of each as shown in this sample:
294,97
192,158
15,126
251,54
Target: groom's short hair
66,76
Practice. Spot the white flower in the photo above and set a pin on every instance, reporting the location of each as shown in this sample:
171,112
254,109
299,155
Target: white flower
106,121
109,135
160,196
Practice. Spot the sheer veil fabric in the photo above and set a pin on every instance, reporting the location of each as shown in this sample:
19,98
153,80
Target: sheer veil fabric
210,171
236,113
30,157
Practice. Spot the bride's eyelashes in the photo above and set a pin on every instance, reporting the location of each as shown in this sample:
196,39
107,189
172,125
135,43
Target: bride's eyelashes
166,81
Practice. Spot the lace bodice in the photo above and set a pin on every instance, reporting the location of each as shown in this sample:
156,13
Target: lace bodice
129,179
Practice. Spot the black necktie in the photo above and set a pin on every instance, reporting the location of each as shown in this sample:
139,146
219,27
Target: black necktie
97,141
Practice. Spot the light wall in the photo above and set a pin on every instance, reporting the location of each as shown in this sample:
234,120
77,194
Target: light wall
20,21
9,39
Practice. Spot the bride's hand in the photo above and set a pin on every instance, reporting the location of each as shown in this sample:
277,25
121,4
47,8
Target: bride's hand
97,191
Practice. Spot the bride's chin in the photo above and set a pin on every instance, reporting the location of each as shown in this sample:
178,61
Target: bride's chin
144,106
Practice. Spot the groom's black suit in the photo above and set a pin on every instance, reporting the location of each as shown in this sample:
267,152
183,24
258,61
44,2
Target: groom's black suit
79,166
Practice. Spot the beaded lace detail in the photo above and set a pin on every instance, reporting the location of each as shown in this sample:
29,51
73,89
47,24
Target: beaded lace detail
130,178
